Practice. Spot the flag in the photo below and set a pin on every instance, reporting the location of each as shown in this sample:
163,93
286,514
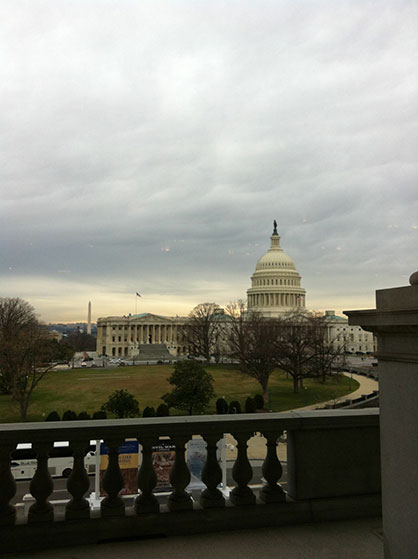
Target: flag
137,294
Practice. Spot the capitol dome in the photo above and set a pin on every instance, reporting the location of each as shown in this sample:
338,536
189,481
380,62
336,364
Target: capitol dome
276,284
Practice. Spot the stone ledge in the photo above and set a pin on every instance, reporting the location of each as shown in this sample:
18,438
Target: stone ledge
63,534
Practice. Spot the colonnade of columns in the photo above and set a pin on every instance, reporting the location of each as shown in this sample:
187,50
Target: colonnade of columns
119,339
153,333
276,300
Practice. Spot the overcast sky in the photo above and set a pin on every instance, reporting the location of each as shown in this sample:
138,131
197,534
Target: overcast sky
148,145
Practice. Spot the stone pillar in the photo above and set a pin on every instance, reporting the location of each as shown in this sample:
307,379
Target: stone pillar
395,323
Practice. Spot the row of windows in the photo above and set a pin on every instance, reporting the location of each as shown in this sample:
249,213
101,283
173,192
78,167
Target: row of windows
276,282
125,351
126,328
353,349
366,335
277,264
119,339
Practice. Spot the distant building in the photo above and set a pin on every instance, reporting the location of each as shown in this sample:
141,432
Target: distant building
56,335
275,285
122,336
352,339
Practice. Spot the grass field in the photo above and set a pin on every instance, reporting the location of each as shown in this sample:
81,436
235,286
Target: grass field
86,390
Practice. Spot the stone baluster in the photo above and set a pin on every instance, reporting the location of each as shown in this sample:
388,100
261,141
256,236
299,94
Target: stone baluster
112,504
41,486
78,484
180,479
242,473
7,486
147,480
212,474
272,471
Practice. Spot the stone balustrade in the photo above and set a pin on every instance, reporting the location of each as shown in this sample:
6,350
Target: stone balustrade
333,471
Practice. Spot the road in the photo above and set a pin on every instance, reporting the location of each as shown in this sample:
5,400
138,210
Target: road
60,484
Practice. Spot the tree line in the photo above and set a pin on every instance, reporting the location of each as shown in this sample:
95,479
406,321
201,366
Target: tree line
298,343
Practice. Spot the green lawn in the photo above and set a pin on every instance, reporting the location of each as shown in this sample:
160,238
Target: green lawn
86,389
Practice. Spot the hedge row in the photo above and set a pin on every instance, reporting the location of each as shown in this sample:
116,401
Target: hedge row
70,415
251,405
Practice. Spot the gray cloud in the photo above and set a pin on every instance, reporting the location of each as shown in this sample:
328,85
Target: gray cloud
153,143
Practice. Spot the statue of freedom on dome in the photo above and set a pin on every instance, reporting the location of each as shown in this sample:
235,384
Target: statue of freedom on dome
275,227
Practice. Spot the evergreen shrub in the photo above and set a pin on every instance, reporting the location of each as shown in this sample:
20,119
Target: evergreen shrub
221,406
53,416
163,410
259,401
250,406
234,407
148,412
69,415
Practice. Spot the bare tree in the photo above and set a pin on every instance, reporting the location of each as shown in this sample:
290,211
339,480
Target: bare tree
328,354
294,351
303,347
252,342
81,341
17,318
202,330
27,351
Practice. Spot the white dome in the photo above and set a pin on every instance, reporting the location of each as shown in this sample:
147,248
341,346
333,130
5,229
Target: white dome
275,285
275,258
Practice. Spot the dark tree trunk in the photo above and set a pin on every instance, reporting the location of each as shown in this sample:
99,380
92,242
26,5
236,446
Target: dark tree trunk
265,395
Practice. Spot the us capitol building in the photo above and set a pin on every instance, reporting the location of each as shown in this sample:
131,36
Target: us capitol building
275,290
275,285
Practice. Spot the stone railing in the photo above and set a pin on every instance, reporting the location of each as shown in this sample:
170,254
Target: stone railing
333,471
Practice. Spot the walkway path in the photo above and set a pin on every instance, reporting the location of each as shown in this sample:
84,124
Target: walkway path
367,385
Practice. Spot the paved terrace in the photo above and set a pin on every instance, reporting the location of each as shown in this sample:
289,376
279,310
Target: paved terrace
355,539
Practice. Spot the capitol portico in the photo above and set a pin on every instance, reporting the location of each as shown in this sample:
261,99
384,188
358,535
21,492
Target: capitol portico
275,285
122,336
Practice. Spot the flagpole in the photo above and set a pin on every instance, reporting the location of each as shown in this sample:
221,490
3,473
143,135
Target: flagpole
136,302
